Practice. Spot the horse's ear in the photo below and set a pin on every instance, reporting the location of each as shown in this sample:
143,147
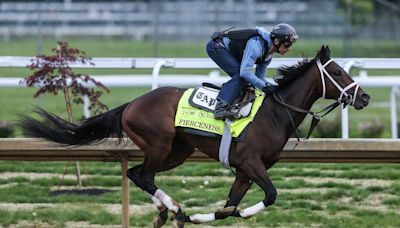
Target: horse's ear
328,51
324,54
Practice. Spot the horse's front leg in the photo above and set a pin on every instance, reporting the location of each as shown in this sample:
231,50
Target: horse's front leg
238,190
256,171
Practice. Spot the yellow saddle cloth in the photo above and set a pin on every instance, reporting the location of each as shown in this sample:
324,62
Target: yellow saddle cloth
191,117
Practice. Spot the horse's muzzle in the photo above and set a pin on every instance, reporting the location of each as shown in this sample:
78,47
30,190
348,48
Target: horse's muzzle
361,101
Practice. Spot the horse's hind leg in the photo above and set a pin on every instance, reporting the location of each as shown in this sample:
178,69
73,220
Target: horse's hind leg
143,176
160,220
149,121
180,151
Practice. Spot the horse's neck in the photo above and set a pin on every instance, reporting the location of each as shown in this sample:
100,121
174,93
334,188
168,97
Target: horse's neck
302,94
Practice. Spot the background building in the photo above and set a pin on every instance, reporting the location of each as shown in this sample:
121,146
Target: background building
195,19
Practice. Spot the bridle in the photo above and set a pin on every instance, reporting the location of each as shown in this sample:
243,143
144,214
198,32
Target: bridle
344,96
344,99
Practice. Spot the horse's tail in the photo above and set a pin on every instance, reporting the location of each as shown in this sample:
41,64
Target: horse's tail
92,130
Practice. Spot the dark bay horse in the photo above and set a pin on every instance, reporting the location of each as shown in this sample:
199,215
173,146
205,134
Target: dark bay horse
149,122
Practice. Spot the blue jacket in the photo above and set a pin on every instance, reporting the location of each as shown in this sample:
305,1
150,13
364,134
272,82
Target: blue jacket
254,49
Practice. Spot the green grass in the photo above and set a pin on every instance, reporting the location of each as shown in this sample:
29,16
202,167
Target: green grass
113,47
58,217
303,201
122,47
22,102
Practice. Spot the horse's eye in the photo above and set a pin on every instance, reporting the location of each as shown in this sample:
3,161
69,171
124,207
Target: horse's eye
337,73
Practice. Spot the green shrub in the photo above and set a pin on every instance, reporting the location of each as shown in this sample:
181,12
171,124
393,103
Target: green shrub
7,129
328,128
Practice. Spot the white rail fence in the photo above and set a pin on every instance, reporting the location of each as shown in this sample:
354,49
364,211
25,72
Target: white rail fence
156,64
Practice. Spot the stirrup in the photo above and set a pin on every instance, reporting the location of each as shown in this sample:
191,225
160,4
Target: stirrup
223,110
223,114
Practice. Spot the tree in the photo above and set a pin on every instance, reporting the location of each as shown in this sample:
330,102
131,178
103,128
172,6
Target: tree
357,13
52,73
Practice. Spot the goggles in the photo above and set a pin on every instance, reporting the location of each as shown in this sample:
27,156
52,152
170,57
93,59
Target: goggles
287,44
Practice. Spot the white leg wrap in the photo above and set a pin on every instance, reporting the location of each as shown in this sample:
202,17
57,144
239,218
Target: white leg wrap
166,200
250,211
156,201
202,218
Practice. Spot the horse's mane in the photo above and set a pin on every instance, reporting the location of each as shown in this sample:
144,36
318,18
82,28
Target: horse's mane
288,74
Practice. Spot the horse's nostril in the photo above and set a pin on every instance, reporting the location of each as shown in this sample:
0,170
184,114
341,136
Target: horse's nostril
365,97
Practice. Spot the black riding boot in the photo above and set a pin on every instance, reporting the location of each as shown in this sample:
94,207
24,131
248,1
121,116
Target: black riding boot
222,110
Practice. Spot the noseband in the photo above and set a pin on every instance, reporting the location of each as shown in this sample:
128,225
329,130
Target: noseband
344,96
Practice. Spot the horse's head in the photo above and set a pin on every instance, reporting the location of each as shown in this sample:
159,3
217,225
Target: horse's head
337,84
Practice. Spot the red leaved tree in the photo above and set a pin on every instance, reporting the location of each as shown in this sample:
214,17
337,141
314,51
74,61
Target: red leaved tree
52,74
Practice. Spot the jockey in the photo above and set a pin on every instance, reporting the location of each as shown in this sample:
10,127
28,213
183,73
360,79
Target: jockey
236,52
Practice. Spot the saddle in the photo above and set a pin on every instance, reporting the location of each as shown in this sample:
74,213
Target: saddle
205,98
201,121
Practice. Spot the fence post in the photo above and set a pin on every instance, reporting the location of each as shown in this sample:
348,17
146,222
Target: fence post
123,159
345,111
86,104
125,193
393,111
156,71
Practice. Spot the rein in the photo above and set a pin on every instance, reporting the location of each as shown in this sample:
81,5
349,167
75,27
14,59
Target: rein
316,116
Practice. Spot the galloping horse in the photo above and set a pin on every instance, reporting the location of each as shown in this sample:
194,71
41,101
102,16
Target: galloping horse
149,122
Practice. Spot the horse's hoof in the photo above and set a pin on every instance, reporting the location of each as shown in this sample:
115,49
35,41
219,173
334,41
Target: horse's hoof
178,224
158,222
227,211
178,219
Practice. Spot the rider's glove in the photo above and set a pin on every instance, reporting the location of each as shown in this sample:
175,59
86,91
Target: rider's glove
269,88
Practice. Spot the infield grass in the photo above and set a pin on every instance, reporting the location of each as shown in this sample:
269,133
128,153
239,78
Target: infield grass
325,195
